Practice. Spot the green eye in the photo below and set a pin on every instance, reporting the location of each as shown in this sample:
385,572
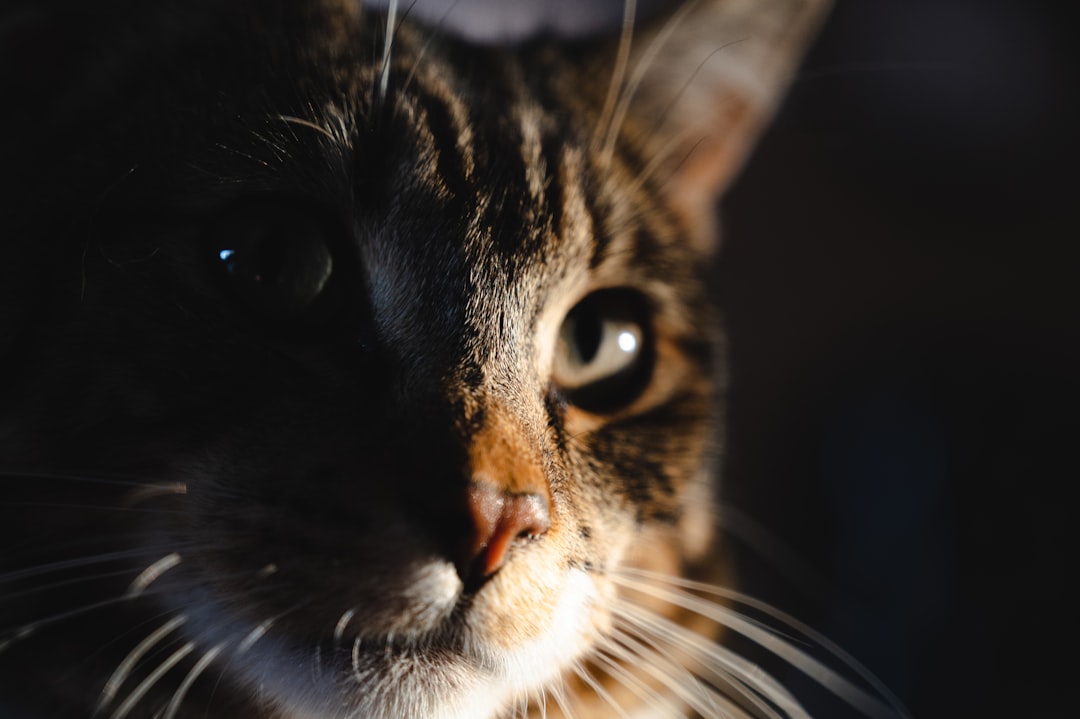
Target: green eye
273,257
603,355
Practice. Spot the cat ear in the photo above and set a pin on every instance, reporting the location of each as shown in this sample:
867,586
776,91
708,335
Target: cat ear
699,86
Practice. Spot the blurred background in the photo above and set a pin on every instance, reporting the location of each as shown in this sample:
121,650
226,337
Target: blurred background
900,287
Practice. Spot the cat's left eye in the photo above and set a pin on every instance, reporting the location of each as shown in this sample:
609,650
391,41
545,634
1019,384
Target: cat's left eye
603,354
273,256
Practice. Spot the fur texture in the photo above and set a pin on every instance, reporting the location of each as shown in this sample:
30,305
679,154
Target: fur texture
354,370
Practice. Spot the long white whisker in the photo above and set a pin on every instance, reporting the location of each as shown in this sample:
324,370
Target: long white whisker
635,684
339,628
427,43
255,635
148,683
64,583
182,690
60,477
601,692
782,617
558,694
727,666
30,628
622,59
813,668
384,75
72,563
647,58
686,686
120,675
151,574
290,119
152,490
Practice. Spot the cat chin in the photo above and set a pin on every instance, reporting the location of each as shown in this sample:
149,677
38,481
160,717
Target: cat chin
468,672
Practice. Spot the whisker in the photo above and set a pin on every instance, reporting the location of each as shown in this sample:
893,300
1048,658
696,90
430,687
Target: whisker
622,59
635,684
384,75
30,628
185,685
644,63
600,691
727,667
427,44
768,639
558,695
339,628
784,618
37,570
151,573
679,679
63,583
308,124
123,670
255,635
148,683
89,507
156,489
63,477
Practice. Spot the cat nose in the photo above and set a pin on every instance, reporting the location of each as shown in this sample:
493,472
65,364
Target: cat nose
499,518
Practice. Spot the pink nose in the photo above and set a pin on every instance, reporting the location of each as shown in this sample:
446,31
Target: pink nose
499,518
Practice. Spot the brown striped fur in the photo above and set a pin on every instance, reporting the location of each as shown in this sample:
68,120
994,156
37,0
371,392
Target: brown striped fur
266,505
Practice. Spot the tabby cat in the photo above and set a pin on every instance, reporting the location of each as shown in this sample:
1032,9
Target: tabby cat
355,366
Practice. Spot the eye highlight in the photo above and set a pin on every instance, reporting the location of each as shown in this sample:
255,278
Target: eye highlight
603,354
271,255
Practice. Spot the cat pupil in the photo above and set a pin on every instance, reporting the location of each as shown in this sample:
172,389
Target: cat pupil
275,259
587,331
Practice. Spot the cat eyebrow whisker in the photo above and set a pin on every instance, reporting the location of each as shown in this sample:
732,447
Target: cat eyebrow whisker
618,72
432,34
120,674
648,57
292,120
388,42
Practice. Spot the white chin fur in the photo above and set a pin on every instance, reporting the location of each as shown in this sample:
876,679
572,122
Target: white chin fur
421,688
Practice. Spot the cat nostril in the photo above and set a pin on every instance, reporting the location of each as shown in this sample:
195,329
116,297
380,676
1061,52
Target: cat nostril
498,518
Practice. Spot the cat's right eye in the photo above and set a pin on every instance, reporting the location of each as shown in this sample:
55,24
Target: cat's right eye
272,256
603,355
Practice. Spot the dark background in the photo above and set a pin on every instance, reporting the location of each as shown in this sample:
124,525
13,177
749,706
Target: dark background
900,284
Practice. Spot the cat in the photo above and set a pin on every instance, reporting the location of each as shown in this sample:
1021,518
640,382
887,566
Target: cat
354,366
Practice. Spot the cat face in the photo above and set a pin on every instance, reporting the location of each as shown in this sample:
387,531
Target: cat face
359,370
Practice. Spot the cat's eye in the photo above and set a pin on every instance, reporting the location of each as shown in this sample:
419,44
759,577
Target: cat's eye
273,256
603,354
